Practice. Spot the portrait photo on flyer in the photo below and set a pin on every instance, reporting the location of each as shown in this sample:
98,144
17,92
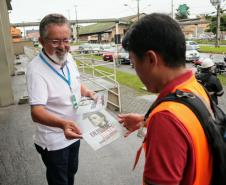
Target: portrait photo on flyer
100,128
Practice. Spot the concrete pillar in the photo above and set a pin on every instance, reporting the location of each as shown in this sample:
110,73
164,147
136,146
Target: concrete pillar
7,57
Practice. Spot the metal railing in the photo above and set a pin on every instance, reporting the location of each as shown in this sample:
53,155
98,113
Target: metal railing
91,71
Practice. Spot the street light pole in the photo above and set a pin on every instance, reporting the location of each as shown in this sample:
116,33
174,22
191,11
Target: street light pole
69,17
217,4
77,28
138,10
24,32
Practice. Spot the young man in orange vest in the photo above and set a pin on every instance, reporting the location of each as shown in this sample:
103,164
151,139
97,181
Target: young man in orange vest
176,148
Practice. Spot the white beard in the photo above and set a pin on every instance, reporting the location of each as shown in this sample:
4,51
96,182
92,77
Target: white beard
59,59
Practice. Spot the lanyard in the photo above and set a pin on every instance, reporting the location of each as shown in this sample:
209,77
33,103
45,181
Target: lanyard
68,81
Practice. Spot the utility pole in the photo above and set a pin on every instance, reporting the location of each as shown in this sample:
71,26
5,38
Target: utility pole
138,10
217,4
218,26
77,28
172,9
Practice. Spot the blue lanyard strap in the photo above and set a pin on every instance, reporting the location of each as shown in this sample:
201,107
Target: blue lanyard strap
68,81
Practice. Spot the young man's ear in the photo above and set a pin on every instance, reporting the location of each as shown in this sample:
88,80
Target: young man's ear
152,57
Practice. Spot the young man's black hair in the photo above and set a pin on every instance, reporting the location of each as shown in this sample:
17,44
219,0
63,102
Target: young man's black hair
160,33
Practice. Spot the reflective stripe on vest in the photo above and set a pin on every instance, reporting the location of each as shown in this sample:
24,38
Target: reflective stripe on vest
203,157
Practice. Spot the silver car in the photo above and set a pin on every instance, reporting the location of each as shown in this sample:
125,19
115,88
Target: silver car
123,56
193,43
191,54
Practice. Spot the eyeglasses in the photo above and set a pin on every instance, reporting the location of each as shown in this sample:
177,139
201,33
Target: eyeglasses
57,42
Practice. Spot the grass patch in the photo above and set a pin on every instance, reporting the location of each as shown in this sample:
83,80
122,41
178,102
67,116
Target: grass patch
127,79
201,41
213,49
222,78
123,78
92,56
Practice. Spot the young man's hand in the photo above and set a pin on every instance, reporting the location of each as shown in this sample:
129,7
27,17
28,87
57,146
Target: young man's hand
92,95
131,121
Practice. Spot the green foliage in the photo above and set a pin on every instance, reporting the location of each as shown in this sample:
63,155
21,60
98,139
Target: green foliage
213,23
182,12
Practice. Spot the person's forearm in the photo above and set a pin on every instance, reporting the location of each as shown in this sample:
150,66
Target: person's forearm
41,115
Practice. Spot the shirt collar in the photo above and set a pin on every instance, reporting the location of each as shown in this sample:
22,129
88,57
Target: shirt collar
175,82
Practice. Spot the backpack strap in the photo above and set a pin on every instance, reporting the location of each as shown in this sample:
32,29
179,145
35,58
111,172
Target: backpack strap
189,99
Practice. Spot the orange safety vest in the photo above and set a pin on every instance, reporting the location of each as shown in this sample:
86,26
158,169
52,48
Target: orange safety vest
203,156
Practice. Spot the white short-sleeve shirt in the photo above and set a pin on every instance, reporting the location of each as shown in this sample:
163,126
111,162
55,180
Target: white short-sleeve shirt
46,87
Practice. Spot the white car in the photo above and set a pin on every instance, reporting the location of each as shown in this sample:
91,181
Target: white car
191,54
193,43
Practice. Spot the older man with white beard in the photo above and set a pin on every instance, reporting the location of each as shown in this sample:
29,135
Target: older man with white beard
55,90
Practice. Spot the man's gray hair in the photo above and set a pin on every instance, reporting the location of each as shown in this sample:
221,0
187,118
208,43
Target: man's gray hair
57,19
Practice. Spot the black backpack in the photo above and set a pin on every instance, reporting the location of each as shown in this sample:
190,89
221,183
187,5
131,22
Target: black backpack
215,129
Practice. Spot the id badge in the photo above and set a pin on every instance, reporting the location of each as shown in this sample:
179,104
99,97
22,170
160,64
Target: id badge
74,101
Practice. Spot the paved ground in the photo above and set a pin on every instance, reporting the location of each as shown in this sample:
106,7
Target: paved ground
111,165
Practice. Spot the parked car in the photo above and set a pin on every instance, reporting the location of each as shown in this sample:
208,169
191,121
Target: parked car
85,48
123,56
97,49
221,66
107,47
109,54
191,53
193,43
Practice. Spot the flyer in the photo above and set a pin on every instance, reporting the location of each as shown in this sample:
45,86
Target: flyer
100,129
98,126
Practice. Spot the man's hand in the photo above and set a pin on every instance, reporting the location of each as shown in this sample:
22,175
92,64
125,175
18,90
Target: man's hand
92,95
71,130
131,122
42,116
88,93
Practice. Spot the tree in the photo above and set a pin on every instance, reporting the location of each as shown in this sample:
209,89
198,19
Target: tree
182,12
213,23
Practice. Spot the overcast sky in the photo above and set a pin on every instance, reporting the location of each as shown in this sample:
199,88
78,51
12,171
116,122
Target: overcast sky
34,10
